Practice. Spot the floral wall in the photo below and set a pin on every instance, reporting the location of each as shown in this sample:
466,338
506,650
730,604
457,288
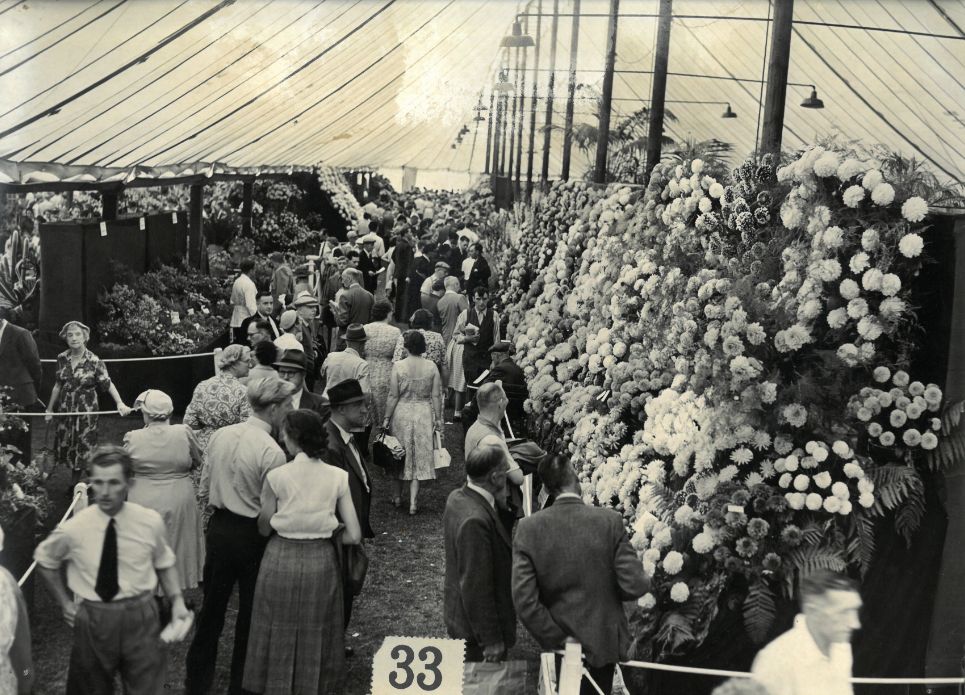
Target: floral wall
727,362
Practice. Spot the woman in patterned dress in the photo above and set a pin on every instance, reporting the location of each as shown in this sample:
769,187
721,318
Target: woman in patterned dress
80,375
379,353
414,413
435,348
221,400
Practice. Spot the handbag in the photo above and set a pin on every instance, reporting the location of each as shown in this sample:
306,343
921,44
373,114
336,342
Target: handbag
503,678
353,563
440,456
387,452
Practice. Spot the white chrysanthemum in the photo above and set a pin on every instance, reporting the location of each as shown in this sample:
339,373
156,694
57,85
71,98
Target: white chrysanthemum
703,543
647,601
795,500
827,164
890,284
840,490
833,237
881,374
841,448
716,190
869,328
813,501
832,505
853,470
742,456
891,308
823,480
849,289
914,209
705,205
697,166
871,180
857,308
853,196
911,245
801,482
684,515
929,441
859,262
883,194
866,500
679,592
900,378
850,168
837,318
871,279
870,239
791,216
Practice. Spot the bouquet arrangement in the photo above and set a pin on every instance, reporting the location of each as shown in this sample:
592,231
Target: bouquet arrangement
334,186
722,359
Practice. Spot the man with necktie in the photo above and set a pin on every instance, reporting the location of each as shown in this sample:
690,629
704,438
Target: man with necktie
115,552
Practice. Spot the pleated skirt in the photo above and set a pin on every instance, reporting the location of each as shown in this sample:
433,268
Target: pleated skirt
296,644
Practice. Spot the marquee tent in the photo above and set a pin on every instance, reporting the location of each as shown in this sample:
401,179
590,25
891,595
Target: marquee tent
389,83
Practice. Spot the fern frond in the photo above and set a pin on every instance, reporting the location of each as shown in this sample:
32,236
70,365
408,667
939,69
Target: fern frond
893,485
759,611
810,559
861,541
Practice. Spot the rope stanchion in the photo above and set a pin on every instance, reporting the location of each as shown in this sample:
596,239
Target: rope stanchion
76,413
155,358
720,673
80,493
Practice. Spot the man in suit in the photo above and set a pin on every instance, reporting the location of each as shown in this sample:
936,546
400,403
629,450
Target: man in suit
355,303
20,371
573,566
477,602
282,287
306,308
368,263
264,303
453,255
401,261
350,412
504,370
291,366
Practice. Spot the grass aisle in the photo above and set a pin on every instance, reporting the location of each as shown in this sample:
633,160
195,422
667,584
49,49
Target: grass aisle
402,594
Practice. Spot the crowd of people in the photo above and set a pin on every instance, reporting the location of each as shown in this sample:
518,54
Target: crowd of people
266,489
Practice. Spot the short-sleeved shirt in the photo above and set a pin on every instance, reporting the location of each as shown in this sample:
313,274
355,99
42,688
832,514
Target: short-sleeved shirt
236,462
142,550
308,491
481,429
793,665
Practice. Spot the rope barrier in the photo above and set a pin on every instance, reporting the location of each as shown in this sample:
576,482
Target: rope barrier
76,413
720,673
147,359
80,492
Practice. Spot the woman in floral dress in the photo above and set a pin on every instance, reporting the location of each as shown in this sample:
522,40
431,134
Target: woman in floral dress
221,400
435,348
379,353
414,413
80,375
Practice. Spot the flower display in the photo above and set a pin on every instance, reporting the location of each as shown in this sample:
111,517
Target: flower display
722,359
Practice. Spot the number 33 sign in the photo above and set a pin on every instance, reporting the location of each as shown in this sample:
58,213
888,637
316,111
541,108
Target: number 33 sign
418,666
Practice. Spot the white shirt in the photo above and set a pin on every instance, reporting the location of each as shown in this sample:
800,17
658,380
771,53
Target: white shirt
297,399
142,550
243,300
487,495
308,491
793,665
286,341
467,267
349,441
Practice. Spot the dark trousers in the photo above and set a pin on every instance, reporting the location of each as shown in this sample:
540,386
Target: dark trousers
602,676
400,296
234,550
122,636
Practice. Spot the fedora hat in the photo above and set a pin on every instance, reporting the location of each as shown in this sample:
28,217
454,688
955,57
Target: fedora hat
292,359
305,299
348,391
355,333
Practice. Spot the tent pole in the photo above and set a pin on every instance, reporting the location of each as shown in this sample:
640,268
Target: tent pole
571,92
246,207
533,104
548,124
777,66
489,131
512,123
658,90
194,225
603,133
109,204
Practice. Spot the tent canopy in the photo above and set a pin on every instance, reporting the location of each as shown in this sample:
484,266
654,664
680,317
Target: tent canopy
389,83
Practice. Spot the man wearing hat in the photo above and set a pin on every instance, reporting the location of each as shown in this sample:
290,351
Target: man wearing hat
402,256
504,370
292,366
367,265
355,303
350,413
306,308
282,286
349,364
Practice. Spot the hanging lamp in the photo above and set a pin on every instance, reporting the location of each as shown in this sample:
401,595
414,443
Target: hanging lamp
812,102
503,85
517,39
728,113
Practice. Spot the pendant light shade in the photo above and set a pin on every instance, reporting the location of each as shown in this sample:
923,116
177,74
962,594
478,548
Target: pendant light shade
728,113
504,85
517,39
812,102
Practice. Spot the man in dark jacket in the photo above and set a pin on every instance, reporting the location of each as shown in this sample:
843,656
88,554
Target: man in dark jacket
292,366
477,602
401,261
573,566
349,414
479,271
20,371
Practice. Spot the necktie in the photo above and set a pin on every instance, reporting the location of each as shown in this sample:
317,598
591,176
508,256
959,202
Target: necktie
106,586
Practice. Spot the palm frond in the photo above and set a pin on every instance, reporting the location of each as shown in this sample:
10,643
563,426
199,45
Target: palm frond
759,611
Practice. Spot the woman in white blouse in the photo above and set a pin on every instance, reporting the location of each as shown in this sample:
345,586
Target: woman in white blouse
296,641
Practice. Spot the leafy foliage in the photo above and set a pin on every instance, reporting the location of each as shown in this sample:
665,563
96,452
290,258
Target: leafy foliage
759,611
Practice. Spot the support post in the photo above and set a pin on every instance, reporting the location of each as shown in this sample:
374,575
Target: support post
109,204
571,92
658,92
533,105
496,132
777,64
512,123
522,111
603,132
246,207
548,124
489,130
502,134
194,225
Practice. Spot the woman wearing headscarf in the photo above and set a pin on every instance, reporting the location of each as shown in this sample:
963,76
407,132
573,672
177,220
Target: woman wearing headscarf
164,456
435,352
221,400
16,664
80,375
379,352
